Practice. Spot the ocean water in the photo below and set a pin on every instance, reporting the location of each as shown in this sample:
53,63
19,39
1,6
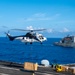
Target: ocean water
16,51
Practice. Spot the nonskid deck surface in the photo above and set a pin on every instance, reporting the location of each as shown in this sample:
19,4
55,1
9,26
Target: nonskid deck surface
10,68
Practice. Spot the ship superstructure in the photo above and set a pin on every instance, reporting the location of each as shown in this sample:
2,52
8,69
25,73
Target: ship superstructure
68,41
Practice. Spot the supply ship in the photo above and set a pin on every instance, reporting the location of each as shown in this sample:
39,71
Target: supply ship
68,41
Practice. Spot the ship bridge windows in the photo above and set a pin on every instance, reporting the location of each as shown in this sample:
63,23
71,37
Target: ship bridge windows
67,40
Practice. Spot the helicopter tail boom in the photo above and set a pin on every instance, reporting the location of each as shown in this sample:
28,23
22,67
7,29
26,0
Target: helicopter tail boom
11,38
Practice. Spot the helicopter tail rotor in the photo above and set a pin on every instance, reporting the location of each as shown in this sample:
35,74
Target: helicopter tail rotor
11,38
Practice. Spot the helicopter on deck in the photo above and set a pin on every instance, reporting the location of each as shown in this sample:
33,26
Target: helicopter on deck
29,37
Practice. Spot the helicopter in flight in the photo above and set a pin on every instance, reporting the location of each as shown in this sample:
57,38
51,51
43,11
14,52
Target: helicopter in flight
30,37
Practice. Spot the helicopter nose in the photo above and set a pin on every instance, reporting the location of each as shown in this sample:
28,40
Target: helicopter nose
45,38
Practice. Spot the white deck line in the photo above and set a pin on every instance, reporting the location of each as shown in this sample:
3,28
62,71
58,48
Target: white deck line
9,68
3,74
51,73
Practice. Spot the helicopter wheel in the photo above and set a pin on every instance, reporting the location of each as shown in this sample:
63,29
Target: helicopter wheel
30,42
41,42
26,43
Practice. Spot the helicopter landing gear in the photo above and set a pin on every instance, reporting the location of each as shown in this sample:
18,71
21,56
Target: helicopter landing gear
26,43
30,42
41,43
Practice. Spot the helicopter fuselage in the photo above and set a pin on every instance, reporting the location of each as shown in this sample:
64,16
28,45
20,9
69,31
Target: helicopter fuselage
30,37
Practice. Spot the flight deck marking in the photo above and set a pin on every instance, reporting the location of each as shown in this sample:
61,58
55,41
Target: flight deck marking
51,73
3,74
9,68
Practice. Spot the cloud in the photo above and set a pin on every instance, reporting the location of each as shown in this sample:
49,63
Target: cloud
56,16
29,28
66,21
42,30
39,17
49,30
4,26
65,30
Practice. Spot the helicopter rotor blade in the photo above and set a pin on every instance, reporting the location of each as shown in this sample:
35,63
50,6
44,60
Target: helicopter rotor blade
29,30
19,29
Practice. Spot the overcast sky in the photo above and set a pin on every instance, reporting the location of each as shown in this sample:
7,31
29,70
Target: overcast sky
57,16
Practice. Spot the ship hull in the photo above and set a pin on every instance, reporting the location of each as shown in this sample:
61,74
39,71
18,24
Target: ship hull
64,44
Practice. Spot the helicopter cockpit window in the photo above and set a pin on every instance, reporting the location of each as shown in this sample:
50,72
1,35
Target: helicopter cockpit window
41,37
34,34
